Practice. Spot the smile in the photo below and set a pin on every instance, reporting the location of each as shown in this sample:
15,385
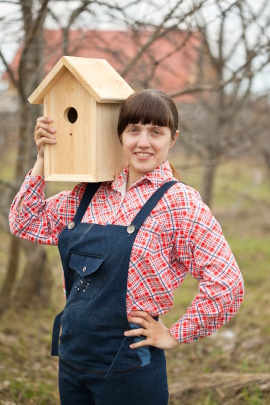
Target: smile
141,154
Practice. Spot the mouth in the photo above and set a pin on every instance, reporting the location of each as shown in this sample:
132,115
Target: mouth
143,154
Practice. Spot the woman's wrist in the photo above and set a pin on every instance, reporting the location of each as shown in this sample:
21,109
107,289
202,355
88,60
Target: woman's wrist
38,169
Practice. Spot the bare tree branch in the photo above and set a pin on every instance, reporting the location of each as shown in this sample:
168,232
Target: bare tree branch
9,71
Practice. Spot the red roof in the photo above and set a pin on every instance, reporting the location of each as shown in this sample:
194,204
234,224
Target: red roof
169,63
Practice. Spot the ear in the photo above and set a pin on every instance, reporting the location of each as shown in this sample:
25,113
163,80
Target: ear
120,139
174,139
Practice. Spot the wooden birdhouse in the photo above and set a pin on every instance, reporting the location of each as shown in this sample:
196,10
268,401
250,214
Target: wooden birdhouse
83,97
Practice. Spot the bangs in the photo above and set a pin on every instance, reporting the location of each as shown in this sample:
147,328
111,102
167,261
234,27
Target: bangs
145,108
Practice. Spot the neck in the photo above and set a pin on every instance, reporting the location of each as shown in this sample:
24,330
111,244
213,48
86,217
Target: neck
133,178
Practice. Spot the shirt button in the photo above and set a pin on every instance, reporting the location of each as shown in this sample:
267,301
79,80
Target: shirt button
71,225
84,268
130,228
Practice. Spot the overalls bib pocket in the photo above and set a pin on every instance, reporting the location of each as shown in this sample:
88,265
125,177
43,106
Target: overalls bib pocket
89,273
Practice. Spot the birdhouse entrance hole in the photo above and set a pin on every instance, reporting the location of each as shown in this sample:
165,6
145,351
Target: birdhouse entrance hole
71,114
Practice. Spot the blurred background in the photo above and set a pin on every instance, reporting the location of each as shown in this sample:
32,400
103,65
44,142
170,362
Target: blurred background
212,57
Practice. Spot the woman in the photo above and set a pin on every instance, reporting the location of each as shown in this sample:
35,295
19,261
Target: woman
125,247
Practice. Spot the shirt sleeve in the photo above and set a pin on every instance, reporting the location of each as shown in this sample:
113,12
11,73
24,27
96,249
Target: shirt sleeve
42,220
209,259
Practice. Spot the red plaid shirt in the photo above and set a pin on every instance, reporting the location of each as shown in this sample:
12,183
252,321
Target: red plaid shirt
180,236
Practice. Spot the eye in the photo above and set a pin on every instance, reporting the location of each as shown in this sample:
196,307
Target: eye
156,131
133,130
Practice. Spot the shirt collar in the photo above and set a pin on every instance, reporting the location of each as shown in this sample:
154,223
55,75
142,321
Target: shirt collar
156,177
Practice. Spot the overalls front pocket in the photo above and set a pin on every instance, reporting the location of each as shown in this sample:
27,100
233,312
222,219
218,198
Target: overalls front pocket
89,273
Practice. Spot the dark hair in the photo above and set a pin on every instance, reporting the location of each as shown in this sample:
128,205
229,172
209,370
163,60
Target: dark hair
148,106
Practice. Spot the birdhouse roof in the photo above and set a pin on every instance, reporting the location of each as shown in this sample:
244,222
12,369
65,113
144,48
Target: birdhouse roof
97,76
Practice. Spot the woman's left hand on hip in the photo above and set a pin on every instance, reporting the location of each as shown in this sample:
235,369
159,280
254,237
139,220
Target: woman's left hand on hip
155,332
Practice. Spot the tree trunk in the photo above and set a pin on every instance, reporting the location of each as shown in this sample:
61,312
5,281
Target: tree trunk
266,155
11,274
30,74
15,243
208,182
35,284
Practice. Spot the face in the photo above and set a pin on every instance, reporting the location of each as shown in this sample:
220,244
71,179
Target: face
145,148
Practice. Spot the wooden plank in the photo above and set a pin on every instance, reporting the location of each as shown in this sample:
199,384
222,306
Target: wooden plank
109,156
74,178
47,84
99,78
73,154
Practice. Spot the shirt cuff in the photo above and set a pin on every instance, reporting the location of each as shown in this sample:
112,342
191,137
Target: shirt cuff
184,331
36,176
32,185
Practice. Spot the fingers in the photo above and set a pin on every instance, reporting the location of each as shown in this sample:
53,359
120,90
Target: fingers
138,321
142,315
137,332
44,123
145,331
141,343
44,119
44,133
44,128
140,333
152,332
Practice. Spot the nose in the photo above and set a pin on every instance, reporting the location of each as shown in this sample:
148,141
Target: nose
143,140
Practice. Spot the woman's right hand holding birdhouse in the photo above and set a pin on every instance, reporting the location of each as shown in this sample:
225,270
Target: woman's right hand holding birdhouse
44,133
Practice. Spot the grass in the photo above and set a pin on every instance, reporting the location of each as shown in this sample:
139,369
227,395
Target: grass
28,375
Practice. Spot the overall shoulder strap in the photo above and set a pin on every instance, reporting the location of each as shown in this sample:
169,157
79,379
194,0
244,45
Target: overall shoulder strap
151,203
88,194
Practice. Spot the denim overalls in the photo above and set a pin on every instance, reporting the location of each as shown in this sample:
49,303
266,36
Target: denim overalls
95,260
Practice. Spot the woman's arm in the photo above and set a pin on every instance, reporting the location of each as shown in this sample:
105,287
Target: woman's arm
44,134
210,260
40,220
32,217
206,255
